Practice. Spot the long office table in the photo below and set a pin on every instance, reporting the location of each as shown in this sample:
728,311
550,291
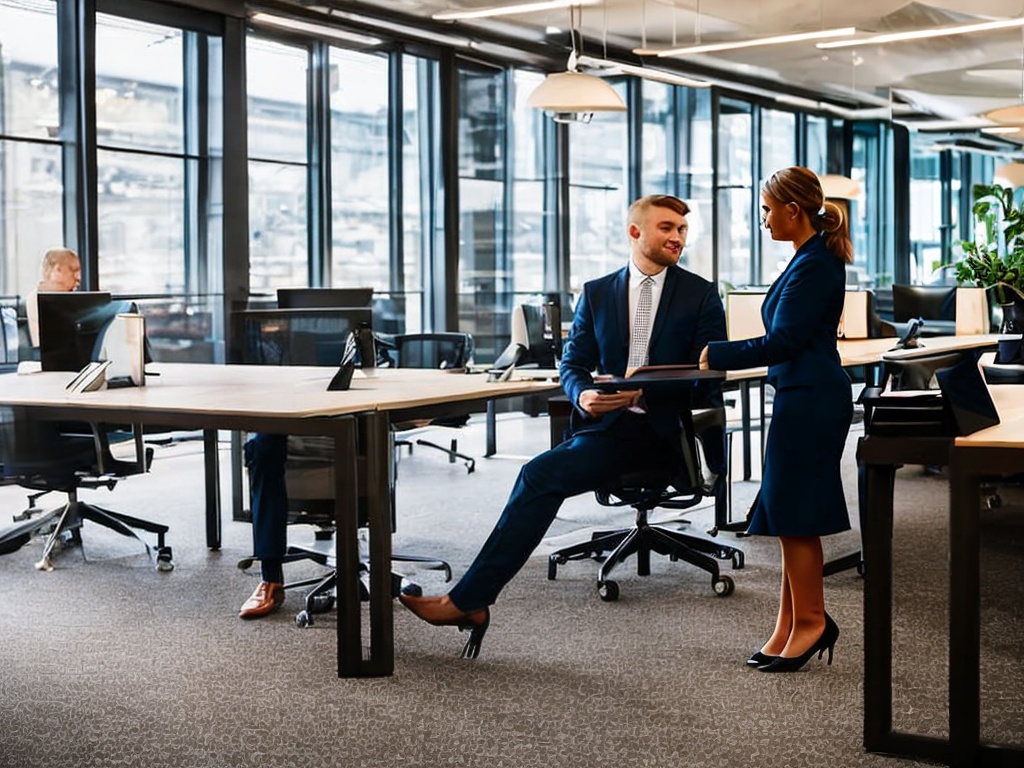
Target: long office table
291,400
990,453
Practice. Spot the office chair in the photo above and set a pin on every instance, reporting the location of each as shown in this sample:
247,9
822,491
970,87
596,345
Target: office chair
444,351
646,490
39,456
309,476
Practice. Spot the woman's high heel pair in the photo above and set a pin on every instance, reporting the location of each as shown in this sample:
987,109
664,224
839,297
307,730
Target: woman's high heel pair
766,663
441,612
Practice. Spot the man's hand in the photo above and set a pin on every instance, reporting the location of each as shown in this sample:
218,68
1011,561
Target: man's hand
703,364
596,403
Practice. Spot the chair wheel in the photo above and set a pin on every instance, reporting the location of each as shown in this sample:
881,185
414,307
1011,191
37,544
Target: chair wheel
303,620
723,586
609,591
737,560
321,603
552,567
246,563
164,561
995,501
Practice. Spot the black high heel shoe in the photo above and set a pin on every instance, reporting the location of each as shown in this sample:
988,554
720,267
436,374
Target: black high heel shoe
441,612
827,641
760,659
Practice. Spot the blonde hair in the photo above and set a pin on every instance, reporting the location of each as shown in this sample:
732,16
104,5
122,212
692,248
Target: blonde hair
801,186
54,257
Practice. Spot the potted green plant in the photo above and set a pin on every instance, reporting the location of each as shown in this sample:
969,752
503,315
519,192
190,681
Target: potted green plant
994,260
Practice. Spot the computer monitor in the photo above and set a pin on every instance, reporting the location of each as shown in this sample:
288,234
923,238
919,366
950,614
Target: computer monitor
296,336
538,329
318,298
929,302
70,324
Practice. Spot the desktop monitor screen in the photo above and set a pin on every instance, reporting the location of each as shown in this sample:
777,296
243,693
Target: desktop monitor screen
69,325
319,298
538,329
297,336
929,302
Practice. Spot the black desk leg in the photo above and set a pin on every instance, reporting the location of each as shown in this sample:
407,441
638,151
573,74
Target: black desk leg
211,470
964,613
492,439
877,537
745,421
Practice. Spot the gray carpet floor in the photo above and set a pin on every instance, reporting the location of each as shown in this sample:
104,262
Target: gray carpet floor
106,662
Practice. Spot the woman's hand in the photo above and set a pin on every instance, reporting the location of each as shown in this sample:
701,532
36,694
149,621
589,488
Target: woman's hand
596,403
703,364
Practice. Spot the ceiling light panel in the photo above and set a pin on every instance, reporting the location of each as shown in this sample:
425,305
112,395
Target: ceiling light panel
921,34
510,9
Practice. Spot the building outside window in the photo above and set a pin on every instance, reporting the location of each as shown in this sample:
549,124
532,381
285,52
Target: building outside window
276,78
31,184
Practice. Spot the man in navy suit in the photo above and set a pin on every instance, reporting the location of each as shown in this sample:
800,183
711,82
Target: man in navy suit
612,432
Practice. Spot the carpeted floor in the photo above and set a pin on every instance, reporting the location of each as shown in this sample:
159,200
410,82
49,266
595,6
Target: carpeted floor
106,662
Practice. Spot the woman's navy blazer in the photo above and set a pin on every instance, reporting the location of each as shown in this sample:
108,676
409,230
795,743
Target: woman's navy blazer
689,316
801,314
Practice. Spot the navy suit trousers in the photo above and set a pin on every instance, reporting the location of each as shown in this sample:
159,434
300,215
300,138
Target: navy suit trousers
585,462
265,457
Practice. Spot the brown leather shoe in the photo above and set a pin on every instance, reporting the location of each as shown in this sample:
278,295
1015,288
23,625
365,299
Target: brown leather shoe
266,599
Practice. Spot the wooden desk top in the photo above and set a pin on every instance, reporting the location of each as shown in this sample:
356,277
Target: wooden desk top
286,391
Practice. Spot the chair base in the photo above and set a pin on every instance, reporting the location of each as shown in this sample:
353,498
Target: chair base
67,522
452,452
321,597
641,540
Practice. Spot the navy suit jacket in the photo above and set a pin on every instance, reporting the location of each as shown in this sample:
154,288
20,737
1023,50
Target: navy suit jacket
801,314
689,316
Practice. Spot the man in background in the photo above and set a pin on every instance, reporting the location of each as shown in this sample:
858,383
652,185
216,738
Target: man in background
61,271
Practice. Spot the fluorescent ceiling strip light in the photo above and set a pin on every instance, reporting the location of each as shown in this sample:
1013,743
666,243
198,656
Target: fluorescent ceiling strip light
510,10
645,72
920,34
753,43
321,30
401,29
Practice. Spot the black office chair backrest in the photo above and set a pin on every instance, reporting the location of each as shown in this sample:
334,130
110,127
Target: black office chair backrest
929,302
445,351
37,454
323,298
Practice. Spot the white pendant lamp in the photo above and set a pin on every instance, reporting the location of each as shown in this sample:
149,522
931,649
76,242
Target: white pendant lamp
573,96
1010,175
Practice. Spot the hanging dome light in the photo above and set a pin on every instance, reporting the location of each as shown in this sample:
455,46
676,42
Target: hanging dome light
1010,174
573,96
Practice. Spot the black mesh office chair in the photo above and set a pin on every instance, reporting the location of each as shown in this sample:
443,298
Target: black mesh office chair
40,456
934,304
439,351
680,488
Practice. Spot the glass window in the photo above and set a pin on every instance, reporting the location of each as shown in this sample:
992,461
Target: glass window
276,79
657,147
695,178
817,144
31,186
926,214
735,194
598,192
421,230
140,196
778,150
360,196
530,204
139,85
485,277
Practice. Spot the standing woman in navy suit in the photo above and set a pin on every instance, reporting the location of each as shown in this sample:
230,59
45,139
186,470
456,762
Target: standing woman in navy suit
801,497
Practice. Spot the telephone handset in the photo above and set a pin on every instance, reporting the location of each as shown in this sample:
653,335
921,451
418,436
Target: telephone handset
909,338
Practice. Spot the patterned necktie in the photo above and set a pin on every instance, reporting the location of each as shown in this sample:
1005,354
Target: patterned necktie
641,332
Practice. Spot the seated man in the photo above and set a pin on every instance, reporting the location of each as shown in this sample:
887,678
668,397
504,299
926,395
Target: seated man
649,312
61,271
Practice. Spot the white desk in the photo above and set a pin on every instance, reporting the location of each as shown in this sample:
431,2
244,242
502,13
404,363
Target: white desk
291,400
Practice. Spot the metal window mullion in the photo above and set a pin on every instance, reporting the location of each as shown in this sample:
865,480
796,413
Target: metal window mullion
445,310
505,256
76,36
396,165
756,124
716,214
318,176
634,137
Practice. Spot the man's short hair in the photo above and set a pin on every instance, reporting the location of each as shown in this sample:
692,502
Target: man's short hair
644,204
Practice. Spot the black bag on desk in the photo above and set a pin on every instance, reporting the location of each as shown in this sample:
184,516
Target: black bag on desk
950,398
